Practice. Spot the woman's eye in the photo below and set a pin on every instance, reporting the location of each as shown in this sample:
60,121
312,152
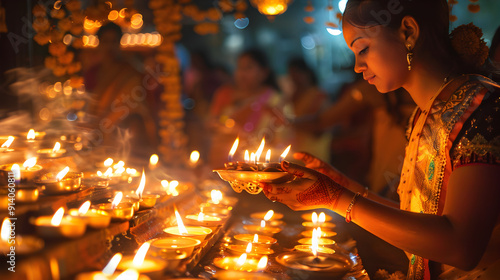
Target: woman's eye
363,51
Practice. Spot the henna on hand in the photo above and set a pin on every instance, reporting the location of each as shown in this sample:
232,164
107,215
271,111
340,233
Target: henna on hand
322,192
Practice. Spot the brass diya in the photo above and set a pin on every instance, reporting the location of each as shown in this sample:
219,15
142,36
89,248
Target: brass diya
50,185
322,266
246,176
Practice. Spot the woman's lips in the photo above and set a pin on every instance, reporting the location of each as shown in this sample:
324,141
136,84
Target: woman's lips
370,79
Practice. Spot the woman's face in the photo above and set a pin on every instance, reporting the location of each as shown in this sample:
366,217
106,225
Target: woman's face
249,74
380,55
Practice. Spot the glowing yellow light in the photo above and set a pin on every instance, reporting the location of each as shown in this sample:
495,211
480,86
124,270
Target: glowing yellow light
57,218
110,268
84,208
116,200
141,254
63,173
113,15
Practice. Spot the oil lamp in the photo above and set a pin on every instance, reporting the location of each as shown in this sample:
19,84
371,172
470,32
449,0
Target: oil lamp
59,225
242,263
267,216
93,217
318,221
116,209
152,267
27,171
6,145
163,247
55,152
251,251
61,183
202,219
257,240
197,232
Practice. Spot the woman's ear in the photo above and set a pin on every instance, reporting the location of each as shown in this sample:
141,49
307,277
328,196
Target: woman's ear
409,31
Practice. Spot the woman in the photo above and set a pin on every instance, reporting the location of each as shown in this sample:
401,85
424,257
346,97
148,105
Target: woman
448,217
251,107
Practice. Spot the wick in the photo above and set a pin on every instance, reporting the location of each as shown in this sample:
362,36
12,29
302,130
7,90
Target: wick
316,260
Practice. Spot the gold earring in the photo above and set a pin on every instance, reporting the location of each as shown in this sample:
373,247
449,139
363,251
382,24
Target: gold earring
409,56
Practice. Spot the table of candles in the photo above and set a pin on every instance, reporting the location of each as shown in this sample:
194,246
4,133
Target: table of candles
69,213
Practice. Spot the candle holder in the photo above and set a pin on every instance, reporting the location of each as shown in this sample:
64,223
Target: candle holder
231,275
70,227
326,225
162,247
121,212
205,221
49,185
246,176
24,245
323,266
215,208
152,267
134,201
256,251
148,200
28,175
321,241
262,240
195,232
94,218
320,249
50,153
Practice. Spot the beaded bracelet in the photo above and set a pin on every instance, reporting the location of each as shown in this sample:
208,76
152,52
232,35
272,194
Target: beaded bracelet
349,208
365,193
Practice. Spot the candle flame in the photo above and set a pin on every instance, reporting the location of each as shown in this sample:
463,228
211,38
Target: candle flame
255,238
6,230
108,162
260,149
153,160
129,274
108,172
269,215
249,248
262,224
233,149
57,218
314,218
62,173
164,184
262,263
31,134
322,217
9,141
110,268
17,171
285,153
141,254
29,163
119,170
142,184
252,157
130,171
119,164
180,224
247,156
241,260
194,157
201,217
57,147
116,200
268,156
318,232
216,196
84,208
314,246
172,188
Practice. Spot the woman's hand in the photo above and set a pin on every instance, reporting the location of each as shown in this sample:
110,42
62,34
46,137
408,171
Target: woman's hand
310,189
317,164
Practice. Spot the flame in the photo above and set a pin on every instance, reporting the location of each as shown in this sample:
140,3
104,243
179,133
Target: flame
318,232
108,172
9,141
253,158
153,160
180,224
233,149
129,274
108,162
172,188
119,170
31,134
116,200
84,208
110,268
247,156
314,246
322,217
285,153
216,196
57,218
29,163
142,184
119,164
262,224
63,173
260,149
130,171
201,217
241,260
268,156
17,171
164,184
57,147
141,254
249,248
194,157
262,263
255,238
269,215
314,218
6,230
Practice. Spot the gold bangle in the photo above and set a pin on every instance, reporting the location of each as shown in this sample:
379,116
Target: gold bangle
349,208
366,192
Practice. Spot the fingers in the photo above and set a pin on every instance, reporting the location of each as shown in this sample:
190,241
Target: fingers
298,170
305,157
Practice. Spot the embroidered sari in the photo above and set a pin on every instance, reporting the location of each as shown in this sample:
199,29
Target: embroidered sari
444,136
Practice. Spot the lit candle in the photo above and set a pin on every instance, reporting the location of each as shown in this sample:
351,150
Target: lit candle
93,217
249,249
197,232
260,149
202,219
270,215
233,150
153,267
241,263
268,156
6,145
55,152
322,216
166,246
285,153
262,228
61,183
59,225
116,209
27,173
261,240
12,243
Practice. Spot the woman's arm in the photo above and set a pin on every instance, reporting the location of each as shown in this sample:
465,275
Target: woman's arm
458,237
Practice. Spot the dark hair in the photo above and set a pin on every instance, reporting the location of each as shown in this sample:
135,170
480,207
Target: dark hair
261,59
301,65
432,17
110,26
495,42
